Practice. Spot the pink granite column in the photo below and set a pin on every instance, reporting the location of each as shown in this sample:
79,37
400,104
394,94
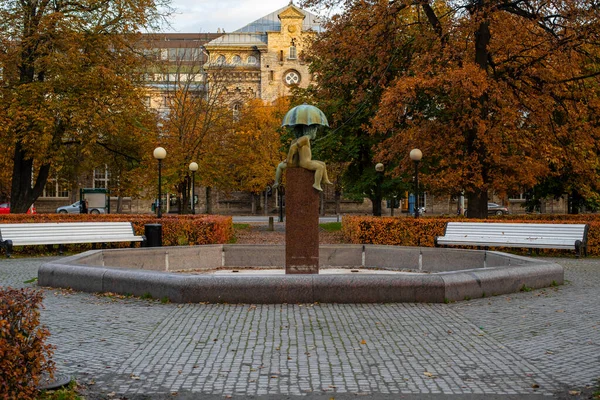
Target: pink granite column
302,222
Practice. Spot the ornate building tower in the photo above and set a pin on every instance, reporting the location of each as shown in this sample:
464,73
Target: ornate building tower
264,58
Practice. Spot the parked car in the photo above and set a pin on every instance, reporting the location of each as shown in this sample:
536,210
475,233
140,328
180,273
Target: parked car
495,209
75,208
5,209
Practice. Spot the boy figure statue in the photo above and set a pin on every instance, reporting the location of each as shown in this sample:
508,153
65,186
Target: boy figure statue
300,155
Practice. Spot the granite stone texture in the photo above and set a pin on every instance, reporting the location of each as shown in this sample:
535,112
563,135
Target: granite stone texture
349,255
517,274
302,222
253,255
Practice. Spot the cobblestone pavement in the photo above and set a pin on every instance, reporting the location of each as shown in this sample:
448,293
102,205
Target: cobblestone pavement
527,345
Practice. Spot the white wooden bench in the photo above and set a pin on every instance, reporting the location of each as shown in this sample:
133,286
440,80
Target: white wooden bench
61,233
530,236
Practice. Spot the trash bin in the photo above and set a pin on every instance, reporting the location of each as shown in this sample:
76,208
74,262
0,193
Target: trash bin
153,234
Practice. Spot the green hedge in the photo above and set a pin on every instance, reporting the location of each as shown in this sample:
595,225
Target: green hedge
403,231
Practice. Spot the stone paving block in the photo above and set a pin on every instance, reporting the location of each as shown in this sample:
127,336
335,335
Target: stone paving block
501,345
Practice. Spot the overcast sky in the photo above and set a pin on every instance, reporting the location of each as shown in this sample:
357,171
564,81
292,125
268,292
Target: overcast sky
194,16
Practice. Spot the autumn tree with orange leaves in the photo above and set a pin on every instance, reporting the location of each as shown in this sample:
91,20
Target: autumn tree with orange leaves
500,96
255,147
196,124
71,85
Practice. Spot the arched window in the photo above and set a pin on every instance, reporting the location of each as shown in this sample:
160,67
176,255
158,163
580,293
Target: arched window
221,60
251,60
236,59
236,109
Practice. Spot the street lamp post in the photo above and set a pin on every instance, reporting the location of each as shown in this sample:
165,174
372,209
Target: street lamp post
193,167
160,154
379,167
416,155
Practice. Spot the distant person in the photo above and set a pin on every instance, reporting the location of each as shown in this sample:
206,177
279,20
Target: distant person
84,207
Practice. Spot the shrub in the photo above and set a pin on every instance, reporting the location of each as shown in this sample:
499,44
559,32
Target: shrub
404,231
176,229
24,355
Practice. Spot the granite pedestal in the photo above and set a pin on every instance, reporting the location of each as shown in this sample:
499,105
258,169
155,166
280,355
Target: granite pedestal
302,222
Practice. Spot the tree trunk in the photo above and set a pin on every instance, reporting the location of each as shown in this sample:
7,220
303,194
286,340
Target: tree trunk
184,196
22,194
477,204
208,203
376,206
478,197
576,201
338,200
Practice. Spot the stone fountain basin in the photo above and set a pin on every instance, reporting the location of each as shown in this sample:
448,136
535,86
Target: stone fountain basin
434,275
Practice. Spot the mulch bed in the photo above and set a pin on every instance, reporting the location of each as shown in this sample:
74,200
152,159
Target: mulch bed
258,234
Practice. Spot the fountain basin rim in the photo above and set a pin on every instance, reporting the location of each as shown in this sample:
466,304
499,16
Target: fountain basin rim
436,287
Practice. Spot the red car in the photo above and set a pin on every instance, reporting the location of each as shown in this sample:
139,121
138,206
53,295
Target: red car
5,209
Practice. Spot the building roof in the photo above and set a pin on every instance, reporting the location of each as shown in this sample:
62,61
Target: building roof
178,40
255,33
271,22
239,39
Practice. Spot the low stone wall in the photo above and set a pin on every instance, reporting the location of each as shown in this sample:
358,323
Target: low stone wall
438,275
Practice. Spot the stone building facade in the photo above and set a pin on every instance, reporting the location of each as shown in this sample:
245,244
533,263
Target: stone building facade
264,58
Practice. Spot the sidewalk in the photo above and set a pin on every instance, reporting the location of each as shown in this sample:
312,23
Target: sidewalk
523,346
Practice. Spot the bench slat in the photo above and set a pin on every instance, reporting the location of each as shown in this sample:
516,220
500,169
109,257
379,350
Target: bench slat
482,234
60,233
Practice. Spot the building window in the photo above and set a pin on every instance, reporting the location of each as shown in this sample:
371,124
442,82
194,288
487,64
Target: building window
221,60
236,59
183,54
147,101
236,108
281,55
252,60
291,77
271,75
517,196
293,53
151,54
56,188
101,178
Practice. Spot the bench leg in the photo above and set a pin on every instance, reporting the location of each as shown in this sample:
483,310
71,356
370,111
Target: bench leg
7,245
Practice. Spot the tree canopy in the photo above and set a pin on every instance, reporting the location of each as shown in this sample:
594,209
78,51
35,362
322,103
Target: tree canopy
71,85
255,147
498,95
